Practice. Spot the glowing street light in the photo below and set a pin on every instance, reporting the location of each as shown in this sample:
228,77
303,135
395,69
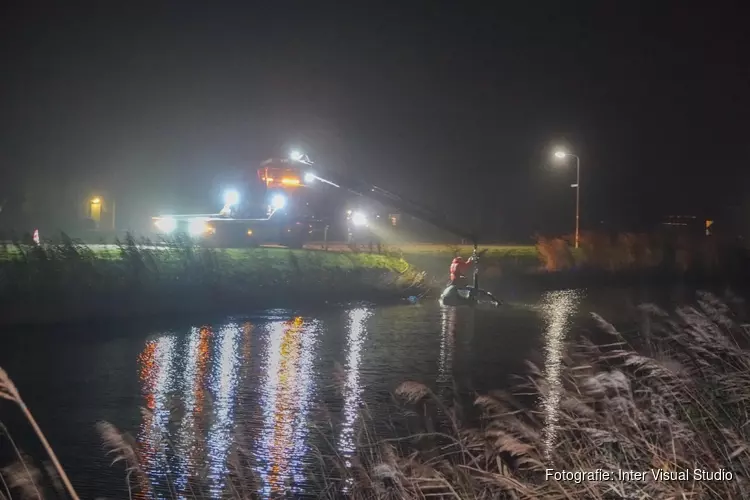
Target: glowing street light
95,209
562,155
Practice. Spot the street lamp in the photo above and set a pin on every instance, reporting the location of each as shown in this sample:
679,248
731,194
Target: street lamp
561,155
95,209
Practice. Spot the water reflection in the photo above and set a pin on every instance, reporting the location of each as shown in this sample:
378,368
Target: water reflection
188,383
223,387
191,448
285,400
156,366
447,347
352,390
558,309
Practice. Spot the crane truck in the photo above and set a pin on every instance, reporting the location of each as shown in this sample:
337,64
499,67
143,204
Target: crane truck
273,207
276,206
279,192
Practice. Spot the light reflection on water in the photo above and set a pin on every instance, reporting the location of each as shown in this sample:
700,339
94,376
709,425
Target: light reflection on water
191,449
203,380
157,364
252,386
447,346
223,387
558,309
285,400
357,321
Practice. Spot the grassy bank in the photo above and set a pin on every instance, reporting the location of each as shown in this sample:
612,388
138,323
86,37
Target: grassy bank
497,260
670,399
69,281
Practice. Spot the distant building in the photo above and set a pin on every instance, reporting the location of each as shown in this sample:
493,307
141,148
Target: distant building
98,211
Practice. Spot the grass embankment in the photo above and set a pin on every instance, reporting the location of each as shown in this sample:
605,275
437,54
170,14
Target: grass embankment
68,281
497,260
670,401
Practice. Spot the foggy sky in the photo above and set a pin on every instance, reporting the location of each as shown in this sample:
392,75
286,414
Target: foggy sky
457,106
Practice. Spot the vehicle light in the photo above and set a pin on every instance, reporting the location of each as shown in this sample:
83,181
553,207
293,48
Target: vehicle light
359,219
278,202
290,181
197,227
231,197
249,232
166,224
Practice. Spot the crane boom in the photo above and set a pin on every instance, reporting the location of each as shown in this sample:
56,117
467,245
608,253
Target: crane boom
385,197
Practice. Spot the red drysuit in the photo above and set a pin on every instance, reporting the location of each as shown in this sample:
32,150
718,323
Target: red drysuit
458,267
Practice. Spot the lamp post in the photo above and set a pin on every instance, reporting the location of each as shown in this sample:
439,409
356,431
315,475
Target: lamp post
577,185
95,210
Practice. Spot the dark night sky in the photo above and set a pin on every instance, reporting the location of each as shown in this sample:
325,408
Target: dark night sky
453,104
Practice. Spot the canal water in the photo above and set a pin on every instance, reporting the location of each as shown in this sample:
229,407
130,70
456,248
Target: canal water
275,387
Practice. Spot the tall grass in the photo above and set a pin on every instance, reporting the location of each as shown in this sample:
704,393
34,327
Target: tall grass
19,474
674,397
637,252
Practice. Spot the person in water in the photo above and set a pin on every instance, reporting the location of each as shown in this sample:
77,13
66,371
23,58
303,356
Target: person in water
454,293
458,267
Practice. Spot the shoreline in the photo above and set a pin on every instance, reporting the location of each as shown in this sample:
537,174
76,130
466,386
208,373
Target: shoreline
71,284
63,315
118,306
190,299
54,310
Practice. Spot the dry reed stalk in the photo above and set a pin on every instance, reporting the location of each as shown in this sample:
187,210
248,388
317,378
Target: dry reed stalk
23,478
9,391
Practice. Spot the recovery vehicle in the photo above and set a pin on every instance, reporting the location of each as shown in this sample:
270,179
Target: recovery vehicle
272,207
275,209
